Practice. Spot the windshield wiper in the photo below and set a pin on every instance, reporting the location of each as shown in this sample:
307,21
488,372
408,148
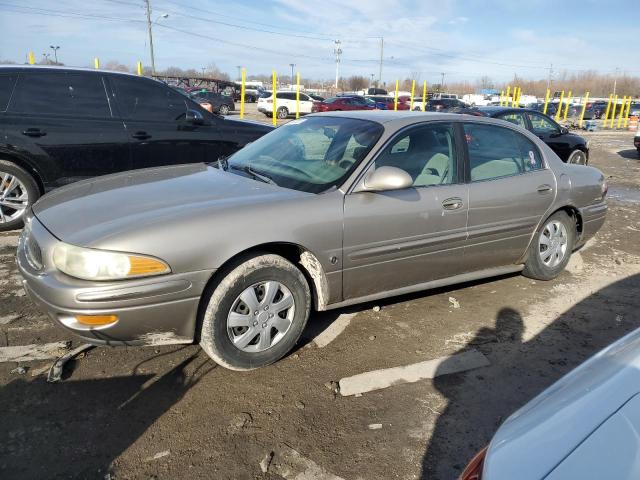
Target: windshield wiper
221,163
255,175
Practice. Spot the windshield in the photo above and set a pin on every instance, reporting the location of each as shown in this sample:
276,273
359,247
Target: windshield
310,154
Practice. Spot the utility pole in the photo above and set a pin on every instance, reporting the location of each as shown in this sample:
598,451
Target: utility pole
45,58
292,65
337,51
371,82
442,82
615,81
550,76
153,60
55,52
239,67
381,57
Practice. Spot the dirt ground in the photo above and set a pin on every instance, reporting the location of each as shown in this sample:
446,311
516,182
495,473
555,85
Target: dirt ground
170,413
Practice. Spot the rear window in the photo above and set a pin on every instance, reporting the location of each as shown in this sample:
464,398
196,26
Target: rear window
140,99
6,87
78,94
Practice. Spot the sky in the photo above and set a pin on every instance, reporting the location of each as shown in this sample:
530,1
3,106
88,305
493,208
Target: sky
422,38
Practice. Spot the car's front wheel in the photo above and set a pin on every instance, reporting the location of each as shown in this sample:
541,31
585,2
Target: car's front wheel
577,157
282,112
256,314
551,247
18,191
224,109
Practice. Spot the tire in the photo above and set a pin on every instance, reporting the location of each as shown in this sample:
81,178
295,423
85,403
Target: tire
269,115
223,110
21,185
537,266
241,347
578,157
282,113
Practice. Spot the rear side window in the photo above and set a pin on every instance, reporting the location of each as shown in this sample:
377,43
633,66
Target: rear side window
6,87
496,152
516,118
140,99
78,94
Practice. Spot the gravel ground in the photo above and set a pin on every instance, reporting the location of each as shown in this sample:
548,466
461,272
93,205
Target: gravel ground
169,412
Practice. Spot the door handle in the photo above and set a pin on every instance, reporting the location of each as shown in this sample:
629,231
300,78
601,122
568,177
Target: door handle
452,203
141,135
34,132
544,188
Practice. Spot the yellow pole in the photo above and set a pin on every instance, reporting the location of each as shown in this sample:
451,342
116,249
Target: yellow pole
626,116
273,89
424,96
513,97
623,107
546,101
560,106
519,95
298,95
243,79
139,68
96,63
506,100
613,112
566,109
413,91
606,112
584,107
501,95
395,100
32,59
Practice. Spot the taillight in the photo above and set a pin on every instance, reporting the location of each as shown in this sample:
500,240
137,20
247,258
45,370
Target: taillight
473,471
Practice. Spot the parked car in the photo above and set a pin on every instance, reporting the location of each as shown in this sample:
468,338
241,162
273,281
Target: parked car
636,141
634,110
585,426
599,108
318,214
60,125
552,108
217,103
286,104
576,110
445,105
344,103
384,102
316,98
570,147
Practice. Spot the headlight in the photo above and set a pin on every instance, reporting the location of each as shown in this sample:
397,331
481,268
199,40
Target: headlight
89,264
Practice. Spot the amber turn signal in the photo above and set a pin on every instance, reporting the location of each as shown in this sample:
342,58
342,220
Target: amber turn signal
96,319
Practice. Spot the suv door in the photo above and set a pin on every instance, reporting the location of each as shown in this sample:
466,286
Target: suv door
510,190
399,238
306,103
63,122
550,133
155,117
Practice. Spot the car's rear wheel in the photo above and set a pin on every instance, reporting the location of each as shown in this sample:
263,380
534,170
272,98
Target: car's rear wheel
256,314
577,157
18,191
551,247
282,112
224,109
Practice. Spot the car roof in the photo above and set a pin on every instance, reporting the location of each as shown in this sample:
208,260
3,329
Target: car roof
61,68
390,117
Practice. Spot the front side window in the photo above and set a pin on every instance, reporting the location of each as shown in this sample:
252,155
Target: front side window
514,117
427,153
310,154
496,152
541,125
77,94
140,99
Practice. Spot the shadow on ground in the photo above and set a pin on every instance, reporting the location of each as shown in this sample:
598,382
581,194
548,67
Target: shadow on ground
479,401
631,154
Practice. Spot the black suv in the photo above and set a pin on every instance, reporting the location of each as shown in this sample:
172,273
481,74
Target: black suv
59,125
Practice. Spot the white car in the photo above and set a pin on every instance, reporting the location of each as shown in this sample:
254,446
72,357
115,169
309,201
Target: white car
285,104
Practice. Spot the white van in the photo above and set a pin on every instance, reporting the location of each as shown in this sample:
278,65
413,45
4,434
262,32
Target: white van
285,104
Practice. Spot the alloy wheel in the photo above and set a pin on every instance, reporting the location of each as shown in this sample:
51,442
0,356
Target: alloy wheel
260,316
224,109
578,158
14,198
552,243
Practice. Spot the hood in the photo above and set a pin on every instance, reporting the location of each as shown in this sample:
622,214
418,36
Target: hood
542,434
90,211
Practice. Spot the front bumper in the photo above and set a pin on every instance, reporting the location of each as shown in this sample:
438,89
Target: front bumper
151,311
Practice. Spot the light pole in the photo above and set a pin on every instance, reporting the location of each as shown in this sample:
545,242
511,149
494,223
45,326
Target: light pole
337,51
149,23
239,67
442,82
45,57
55,52
615,81
371,81
292,65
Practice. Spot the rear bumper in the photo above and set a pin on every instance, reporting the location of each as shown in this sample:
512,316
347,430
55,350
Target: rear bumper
152,311
593,218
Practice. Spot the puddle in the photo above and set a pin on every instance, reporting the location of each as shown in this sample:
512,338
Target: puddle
624,194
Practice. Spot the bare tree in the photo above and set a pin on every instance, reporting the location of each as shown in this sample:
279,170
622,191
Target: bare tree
357,82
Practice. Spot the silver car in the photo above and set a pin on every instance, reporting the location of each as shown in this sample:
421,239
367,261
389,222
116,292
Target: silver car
326,211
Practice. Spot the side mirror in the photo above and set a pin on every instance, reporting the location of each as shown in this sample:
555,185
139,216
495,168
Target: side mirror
194,117
385,179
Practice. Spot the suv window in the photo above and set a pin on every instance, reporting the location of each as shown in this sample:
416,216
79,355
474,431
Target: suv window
78,94
427,153
496,152
286,96
541,125
6,87
140,99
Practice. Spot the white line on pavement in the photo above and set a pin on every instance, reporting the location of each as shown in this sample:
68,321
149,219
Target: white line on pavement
379,379
333,330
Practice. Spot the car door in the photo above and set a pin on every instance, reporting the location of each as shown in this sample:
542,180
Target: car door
62,120
306,103
550,133
399,238
155,117
510,190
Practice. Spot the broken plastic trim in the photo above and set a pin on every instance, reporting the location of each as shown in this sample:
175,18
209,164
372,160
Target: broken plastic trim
55,372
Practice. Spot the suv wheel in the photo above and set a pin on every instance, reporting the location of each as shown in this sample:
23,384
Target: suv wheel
282,112
551,247
256,314
18,191
224,109
578,157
